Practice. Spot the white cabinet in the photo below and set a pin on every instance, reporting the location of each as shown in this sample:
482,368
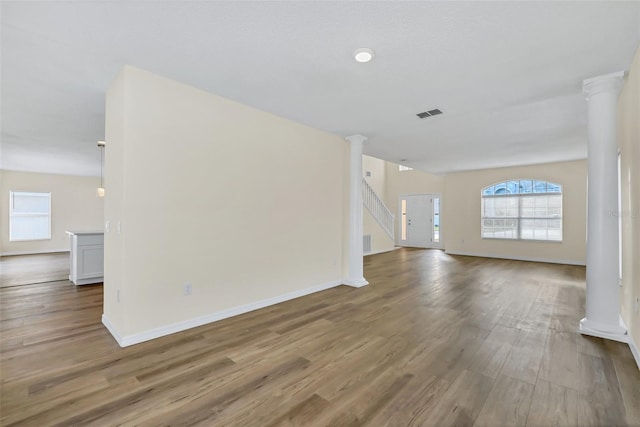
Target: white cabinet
87,257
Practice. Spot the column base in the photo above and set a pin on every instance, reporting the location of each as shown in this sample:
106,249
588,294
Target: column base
356,283
599,330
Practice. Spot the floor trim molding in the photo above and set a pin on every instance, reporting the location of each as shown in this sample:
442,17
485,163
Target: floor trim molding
112,330
588,328
382,251
127,340
517,258
52,251
632,344
634,351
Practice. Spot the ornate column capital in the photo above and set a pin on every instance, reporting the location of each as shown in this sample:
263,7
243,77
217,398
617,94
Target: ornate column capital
356,138
607,83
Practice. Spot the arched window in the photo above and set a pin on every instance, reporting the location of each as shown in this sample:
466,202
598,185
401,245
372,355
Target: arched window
526,209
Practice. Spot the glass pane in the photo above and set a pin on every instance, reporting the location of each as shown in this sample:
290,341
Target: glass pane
500,207
541,209
526,186
553,188
539,186
488,191
555,206
513,187
526,229
554,229
488,207
436,219
511,229
487,228
540,229
403,221
30,202
500,188
29,227
512,207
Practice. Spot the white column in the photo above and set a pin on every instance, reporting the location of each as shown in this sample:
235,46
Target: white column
356,271
603,292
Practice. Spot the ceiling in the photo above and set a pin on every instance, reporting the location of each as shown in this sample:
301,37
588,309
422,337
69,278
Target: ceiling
507,75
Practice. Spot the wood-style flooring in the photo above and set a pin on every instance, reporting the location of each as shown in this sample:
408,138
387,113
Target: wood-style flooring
28,269
435,340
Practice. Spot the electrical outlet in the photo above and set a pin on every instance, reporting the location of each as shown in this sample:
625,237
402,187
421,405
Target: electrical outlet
187,288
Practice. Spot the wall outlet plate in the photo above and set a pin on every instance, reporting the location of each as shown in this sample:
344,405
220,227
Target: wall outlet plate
188,288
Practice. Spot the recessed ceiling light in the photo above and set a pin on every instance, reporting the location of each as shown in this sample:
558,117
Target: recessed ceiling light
363,54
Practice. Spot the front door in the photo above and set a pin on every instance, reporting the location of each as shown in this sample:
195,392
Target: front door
420,220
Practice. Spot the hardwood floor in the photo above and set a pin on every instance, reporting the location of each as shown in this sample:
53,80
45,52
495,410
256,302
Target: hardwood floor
28,269
435,340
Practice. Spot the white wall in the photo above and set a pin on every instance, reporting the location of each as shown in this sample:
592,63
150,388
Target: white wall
74,206
244,205
629,137
461,216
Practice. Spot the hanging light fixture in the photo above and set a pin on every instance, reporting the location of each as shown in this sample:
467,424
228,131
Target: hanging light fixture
100,190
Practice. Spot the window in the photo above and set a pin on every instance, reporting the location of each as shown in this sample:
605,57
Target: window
403,168
526,209
29,216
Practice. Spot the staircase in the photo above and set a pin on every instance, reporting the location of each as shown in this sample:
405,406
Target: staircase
378,210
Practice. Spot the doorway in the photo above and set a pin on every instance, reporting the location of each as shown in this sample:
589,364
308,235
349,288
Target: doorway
420,221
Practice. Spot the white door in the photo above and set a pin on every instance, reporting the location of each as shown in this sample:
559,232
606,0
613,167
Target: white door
420,220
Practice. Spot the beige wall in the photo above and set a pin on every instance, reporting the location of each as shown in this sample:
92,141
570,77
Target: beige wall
629,137
411,182
461,217
377,180
243,204
380,240
74,206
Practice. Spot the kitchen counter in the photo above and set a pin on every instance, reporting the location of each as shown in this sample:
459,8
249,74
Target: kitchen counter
87,257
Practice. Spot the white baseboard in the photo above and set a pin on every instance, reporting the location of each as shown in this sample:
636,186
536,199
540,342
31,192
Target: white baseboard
632,344
517,258
52,251
634,351
356,283
382,251
114,332
609,332
125,341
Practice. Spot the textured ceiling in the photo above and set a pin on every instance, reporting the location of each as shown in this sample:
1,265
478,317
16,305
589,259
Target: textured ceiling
506,74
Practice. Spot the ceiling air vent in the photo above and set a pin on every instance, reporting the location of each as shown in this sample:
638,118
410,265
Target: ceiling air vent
425,114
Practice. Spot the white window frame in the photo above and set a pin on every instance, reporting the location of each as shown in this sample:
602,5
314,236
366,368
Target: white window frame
13,214
519,196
